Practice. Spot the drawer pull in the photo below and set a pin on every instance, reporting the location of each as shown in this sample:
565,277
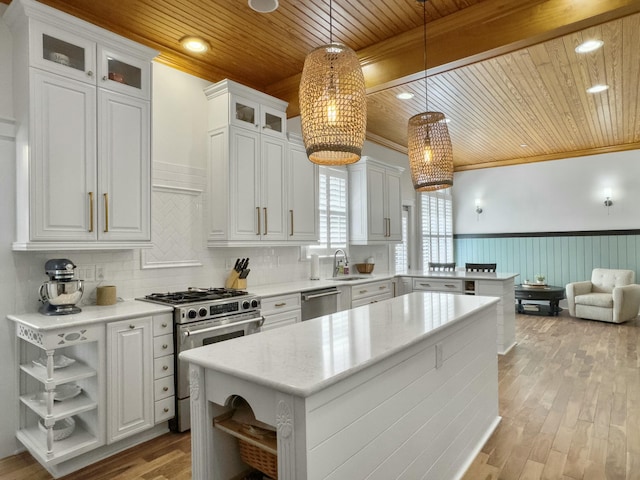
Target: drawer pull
165,346
132,327
165,367
363,291
165,410
165,389
280,304
383,287
450,286
164,325
425,284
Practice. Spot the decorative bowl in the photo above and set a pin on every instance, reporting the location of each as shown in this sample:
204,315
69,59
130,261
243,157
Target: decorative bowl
61,429
365,267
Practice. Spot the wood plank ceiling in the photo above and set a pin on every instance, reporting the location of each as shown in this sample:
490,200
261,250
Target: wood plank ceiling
504,71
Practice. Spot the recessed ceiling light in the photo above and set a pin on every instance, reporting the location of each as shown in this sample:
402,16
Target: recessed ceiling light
598,88
589,46
524,145
404,95
195,44
263,6
447,120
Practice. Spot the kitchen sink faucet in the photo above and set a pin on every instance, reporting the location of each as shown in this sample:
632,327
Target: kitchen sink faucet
335,261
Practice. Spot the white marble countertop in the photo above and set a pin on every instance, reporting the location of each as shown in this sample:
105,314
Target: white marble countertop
305,285
307,357
91,314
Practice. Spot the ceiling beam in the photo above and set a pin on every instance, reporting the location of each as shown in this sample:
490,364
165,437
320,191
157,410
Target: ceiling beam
473,34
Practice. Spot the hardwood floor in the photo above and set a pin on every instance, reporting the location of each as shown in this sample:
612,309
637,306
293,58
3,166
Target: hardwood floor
569,401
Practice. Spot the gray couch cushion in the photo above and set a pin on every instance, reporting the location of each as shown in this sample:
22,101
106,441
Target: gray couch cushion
604,300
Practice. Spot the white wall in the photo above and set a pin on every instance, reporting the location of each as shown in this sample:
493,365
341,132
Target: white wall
553,196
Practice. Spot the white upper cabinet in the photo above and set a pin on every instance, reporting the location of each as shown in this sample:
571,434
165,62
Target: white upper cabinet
375,203
82,105
247,168
303,181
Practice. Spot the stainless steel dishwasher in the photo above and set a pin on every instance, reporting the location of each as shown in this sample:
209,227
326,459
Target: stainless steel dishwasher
316,303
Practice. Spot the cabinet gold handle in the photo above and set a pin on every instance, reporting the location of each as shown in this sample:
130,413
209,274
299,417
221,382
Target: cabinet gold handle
165,367
258,214
132,327
280,304
291,214
266,228
166,410
165,389
106,212
91,211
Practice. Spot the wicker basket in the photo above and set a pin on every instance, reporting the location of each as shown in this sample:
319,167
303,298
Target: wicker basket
259,459
365,267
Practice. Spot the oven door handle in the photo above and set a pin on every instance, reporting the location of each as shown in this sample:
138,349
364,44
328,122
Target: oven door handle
188,333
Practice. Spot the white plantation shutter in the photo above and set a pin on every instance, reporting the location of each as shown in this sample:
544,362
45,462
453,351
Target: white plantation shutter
437,227
333,211
401,250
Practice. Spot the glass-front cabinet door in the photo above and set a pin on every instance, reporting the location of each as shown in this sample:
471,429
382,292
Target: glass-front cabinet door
122,73
273,122
63,53
245,113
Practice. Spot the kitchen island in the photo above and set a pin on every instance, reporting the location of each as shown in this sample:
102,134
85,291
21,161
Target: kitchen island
405,388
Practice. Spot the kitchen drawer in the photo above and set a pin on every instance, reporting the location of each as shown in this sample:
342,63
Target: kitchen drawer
163,388
164,409
373,299
162,324
281,320
281,303
163,345
370,289
437,285
163,367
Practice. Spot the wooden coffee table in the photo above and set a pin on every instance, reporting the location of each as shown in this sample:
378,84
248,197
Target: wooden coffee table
548,293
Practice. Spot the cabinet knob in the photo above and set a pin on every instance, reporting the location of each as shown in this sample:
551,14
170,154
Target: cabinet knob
165,389
104,79
89,73
165,367
132,327
166,410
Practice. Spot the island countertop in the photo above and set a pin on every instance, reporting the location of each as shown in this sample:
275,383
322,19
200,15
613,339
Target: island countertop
307,357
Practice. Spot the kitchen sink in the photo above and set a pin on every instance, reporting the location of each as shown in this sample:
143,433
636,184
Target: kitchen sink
346,279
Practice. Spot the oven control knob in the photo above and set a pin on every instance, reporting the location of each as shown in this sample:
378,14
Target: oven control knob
192,314
246,304
202,312
254,303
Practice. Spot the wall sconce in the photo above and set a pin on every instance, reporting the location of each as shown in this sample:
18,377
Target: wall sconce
478,207
607,199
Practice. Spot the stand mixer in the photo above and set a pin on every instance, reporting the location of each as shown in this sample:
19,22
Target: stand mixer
61,293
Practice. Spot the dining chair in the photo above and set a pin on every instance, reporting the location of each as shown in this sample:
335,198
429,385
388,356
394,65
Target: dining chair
480,267
442,267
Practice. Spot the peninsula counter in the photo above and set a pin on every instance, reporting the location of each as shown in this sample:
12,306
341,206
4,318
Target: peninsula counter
405,388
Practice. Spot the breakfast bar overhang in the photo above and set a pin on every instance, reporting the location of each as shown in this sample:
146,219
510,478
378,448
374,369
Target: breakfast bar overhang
405,388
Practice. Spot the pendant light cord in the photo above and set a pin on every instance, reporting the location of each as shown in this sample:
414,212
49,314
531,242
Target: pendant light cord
424,23
330,24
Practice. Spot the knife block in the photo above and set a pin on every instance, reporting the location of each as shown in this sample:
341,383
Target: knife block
233,281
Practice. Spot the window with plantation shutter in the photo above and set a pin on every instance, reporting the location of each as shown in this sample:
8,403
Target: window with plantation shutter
333,211
401,250
437,227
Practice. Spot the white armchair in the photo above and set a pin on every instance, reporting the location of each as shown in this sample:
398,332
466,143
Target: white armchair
610,296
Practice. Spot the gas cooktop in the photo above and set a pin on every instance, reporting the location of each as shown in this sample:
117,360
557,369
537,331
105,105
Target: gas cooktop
192,295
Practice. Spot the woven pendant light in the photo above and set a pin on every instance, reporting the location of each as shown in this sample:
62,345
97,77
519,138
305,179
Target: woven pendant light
333,104
428,142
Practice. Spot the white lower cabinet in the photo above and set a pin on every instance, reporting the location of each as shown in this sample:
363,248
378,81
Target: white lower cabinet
281,310
373,292
129,377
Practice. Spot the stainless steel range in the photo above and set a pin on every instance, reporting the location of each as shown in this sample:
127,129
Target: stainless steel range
203,316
